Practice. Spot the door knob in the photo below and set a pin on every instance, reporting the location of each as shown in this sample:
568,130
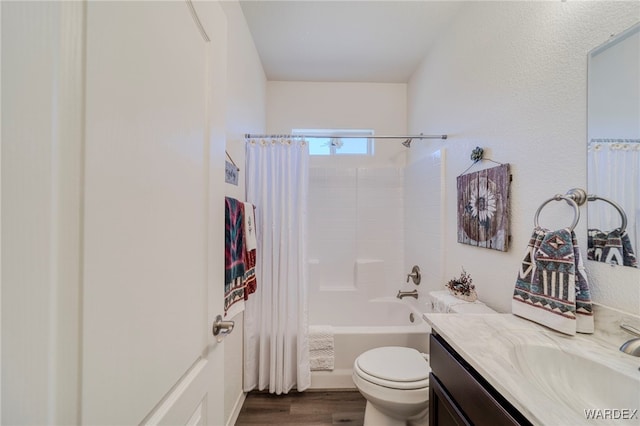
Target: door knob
222,328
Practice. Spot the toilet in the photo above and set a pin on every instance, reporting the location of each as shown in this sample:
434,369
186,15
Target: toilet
395,380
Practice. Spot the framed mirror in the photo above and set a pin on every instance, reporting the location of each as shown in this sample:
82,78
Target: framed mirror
613,149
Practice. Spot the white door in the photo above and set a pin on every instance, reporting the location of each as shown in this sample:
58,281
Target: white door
117,302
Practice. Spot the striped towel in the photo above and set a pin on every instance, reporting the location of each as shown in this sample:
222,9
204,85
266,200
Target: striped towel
552,287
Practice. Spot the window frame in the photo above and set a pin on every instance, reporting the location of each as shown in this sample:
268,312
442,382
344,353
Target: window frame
334,150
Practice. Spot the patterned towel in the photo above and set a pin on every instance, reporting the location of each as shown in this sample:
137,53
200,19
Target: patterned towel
251,245
611,247
552,287
584,308
234,253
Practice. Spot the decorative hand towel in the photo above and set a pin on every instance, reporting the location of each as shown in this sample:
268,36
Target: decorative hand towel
551,288
611,247
250,227
234,256
251,244
321,347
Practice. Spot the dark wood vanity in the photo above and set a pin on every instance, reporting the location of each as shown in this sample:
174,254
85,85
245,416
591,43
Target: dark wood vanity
458,395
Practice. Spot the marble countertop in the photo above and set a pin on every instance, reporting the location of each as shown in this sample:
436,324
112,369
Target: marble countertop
489,342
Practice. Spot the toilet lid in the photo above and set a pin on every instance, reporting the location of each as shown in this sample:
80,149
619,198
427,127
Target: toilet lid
394,364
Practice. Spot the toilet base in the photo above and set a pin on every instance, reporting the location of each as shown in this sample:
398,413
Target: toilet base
375,417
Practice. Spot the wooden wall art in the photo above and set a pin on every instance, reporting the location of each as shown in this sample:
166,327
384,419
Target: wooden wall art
483,208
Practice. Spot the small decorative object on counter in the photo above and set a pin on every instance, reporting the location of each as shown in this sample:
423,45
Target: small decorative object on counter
462,287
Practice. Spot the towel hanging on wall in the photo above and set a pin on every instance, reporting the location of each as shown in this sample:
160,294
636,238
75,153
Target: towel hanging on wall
552,287
234,257
251,244
239,255
612,247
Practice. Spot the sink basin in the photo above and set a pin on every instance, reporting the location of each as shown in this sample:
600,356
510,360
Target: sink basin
577,381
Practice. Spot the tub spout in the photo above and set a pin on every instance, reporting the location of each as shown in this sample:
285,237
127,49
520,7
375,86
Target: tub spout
413,293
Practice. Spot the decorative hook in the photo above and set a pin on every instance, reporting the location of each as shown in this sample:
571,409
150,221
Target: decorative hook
476,154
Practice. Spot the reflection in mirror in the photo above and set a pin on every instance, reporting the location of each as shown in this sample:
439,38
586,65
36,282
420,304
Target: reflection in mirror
614,149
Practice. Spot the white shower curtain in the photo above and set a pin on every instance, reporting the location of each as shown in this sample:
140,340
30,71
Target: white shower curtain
614,173
276,346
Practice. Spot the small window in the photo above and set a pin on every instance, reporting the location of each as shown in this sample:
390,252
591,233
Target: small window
358,142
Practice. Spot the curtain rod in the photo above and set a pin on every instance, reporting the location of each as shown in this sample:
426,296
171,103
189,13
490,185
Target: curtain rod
255,136
600,140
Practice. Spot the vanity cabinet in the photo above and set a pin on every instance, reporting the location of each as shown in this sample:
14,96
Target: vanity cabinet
458,395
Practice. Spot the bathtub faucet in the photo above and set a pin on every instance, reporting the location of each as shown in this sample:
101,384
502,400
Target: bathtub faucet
413,293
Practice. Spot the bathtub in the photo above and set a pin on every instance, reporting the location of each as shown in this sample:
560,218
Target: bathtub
389,324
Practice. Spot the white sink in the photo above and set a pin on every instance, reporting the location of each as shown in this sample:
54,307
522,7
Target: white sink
577,381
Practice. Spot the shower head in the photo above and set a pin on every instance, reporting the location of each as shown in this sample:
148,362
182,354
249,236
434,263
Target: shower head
407,143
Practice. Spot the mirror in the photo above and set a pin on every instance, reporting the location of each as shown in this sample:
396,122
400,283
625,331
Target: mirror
613,150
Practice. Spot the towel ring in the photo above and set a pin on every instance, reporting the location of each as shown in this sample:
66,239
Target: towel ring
623,215
558,197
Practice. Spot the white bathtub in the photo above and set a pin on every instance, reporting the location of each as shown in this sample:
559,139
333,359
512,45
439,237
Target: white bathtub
393,328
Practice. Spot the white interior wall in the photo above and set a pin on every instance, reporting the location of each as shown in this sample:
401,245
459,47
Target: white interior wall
512,77
309,105
246,88
246,95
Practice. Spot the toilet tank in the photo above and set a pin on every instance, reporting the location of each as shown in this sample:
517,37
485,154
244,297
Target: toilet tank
444,302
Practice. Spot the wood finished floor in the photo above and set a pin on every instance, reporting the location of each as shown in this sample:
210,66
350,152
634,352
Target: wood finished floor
318,408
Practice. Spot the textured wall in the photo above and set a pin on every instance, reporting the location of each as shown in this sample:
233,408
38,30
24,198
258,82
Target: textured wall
511,77
246,91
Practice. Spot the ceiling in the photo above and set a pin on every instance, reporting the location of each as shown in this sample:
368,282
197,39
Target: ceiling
328,40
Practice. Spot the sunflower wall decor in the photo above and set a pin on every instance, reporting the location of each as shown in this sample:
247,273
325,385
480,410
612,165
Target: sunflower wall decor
483,208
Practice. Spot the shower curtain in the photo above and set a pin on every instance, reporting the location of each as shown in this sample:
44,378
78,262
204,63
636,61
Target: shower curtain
614,173
276,347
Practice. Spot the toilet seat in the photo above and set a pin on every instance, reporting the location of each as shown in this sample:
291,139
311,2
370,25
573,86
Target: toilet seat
394,367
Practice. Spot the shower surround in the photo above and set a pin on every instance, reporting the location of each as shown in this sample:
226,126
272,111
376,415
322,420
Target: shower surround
367,227
356,239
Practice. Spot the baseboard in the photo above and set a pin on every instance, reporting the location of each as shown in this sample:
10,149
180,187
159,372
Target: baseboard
233,417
